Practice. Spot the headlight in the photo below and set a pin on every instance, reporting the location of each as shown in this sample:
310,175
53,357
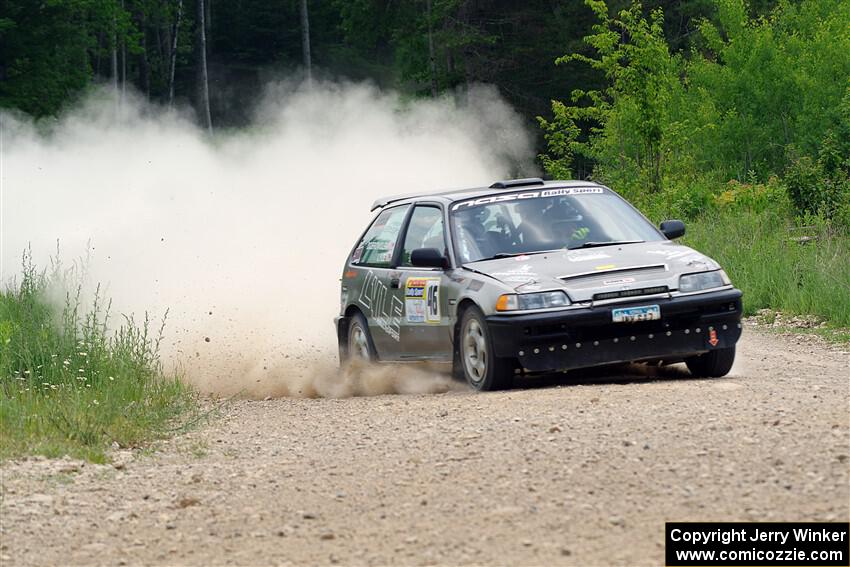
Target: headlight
526,301
703,280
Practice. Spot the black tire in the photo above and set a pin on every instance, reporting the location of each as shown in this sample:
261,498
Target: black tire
482,370
713,364
355,349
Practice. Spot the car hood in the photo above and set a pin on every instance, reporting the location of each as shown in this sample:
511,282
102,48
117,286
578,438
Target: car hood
582,273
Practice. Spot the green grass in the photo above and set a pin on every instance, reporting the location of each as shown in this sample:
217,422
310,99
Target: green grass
70,385
763,254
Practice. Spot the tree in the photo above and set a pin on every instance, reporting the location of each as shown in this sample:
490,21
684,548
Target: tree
305,41
625,120
44,57
203,90
432,61
173,53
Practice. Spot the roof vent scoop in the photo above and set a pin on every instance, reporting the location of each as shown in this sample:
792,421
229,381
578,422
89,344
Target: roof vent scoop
511,183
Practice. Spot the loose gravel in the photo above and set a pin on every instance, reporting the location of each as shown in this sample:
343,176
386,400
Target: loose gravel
582,469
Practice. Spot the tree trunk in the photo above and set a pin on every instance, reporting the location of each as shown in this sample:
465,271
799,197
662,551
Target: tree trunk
465,18
114,55
123,63
431,57
208,24
305,42
144,68
174,53
203,89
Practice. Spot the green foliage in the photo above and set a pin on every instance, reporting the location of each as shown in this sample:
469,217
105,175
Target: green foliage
756,98
68,385
811,189
52,51
43,53
628,116
769,85
754,197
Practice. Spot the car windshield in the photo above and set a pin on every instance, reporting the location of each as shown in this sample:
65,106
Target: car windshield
537,221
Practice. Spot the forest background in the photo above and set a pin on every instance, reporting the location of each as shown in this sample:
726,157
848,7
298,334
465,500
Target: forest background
732,115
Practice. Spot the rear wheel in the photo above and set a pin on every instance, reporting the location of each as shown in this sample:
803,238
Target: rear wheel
360,345
481,368
713,364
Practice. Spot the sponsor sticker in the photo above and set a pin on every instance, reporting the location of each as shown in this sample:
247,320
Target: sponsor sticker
586,256
712,338
670,254
520,274
527,195
618,281
422,300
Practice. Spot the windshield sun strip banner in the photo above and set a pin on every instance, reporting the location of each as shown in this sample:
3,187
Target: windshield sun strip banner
501,198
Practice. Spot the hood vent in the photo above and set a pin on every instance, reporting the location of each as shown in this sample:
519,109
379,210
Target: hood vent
600,277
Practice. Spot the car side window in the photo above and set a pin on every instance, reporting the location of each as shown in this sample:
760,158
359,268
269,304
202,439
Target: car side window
377,245
425,230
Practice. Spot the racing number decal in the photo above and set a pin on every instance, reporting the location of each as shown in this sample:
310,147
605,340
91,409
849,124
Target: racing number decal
422,300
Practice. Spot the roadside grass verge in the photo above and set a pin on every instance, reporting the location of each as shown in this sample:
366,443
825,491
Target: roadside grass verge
800,268
70,385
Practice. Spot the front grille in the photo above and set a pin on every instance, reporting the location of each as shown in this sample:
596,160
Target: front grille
630,292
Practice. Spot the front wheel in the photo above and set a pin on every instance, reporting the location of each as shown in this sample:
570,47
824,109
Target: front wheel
481,368
713,364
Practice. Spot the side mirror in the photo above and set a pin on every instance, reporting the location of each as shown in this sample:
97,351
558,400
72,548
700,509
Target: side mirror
428,258
673,229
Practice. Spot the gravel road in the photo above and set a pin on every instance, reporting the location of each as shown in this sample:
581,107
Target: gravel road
584,470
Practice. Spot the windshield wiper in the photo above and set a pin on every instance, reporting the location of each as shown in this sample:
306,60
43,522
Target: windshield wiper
608,243
514,254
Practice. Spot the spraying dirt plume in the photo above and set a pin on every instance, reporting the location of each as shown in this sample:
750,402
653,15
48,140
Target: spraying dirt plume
243,236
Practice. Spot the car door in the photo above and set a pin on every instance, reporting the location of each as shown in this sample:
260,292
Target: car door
372,275
425,327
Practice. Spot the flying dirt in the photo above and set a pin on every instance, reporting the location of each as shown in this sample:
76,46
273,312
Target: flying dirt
241,237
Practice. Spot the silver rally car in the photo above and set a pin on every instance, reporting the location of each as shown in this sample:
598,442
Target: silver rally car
530,276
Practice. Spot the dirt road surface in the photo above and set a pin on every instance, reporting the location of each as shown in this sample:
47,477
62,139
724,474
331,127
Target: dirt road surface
582,471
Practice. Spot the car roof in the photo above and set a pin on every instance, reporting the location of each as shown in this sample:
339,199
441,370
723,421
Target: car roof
452,195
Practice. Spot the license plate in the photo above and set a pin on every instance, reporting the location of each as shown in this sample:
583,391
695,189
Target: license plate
632,314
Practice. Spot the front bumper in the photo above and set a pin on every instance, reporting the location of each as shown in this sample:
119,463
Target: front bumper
585,337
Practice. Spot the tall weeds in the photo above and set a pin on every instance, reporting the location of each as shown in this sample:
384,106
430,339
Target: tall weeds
71,385
801,267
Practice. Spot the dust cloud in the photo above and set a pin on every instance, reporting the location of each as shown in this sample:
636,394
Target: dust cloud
242,236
